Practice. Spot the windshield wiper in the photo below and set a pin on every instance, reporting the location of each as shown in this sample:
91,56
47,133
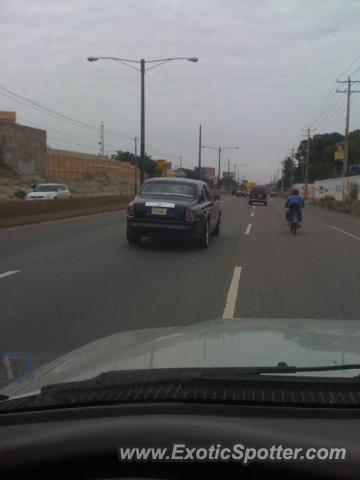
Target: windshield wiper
154,385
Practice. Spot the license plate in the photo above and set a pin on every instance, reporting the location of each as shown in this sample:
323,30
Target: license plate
158,211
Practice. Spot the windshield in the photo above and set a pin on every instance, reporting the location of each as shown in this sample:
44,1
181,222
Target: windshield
169,188
170,136
47,188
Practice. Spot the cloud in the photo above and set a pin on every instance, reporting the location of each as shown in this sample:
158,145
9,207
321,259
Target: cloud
264,68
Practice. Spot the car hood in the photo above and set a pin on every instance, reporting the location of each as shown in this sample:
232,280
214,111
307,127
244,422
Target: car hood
217,343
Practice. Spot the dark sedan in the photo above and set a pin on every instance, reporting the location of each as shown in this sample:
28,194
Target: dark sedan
174,207
258,195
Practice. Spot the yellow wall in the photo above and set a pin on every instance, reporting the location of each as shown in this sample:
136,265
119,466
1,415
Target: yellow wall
73,167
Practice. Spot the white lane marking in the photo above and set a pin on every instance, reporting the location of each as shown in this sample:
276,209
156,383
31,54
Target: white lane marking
248,229
230,304
7,274
252,214
346,233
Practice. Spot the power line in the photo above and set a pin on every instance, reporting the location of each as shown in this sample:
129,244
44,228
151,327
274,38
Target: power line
50,129
51,112
337,116
322,109
327,111
348,68
92,147
355,71
334,114
41,108
161,153
331,94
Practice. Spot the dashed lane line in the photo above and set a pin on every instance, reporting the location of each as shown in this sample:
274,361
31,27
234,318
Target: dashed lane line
7,274
230,304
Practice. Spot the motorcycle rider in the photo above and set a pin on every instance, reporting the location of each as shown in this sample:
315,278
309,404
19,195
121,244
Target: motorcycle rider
294,200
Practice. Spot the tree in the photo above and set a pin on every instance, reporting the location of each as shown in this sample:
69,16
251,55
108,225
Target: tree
189,173
228,183
288,172
321,158
354,148
129,157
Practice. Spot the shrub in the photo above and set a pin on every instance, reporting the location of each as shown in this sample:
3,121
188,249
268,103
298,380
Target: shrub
20,194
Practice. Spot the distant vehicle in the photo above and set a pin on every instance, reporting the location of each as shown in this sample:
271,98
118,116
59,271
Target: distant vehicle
173,207
258,195
273,194
241,193
49,191
250,186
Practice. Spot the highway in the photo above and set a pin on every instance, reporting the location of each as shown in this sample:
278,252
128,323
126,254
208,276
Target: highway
67,283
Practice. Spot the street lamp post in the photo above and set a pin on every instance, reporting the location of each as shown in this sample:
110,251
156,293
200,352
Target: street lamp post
142,62
219,150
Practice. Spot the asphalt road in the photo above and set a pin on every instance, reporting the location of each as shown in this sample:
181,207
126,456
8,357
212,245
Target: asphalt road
67,283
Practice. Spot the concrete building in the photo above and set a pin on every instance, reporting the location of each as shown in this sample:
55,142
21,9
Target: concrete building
22,148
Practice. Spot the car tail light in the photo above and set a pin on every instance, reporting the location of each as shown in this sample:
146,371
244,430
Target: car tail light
130,211
190,216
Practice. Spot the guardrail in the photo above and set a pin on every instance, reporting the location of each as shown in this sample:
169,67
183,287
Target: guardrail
18,212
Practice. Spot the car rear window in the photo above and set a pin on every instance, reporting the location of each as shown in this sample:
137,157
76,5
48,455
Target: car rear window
169,188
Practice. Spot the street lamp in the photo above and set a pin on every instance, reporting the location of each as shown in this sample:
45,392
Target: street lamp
142,62
219,150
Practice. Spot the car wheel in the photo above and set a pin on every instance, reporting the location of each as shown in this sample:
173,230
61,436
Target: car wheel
250,203
217,228
265,203
133,238
204,238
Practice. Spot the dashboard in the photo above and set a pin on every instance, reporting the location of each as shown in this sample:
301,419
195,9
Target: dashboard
84,442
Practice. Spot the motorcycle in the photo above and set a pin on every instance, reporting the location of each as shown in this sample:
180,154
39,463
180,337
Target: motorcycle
294,225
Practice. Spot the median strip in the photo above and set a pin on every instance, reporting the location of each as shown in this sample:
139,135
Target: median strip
7,274
230,304
17,213
344,232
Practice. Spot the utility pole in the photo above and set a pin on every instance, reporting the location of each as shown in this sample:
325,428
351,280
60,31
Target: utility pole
102,146
136,166
199,164
219,168
292,167
180,161
219,151
282,177
307,160
348,92
142,122
228,167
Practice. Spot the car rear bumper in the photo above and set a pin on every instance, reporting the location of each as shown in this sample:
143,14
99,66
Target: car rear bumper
162,229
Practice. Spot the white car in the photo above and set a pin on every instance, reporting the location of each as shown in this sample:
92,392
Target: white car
49,191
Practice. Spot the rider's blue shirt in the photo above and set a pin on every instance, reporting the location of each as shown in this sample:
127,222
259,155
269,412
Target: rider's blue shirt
295,200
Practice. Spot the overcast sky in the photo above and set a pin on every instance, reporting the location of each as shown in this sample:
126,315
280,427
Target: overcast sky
265,67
